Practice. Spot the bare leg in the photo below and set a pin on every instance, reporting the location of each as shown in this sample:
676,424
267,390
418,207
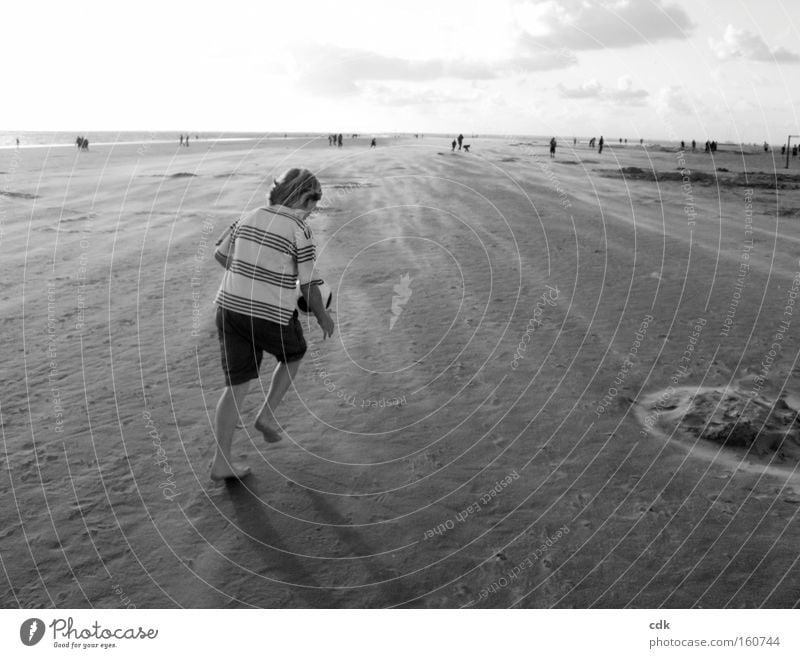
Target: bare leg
228,408
282,378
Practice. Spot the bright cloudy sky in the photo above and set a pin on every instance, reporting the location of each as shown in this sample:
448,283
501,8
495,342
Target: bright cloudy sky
680,69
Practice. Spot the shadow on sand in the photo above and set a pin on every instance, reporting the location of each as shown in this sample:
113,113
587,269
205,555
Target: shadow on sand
388,591
253,521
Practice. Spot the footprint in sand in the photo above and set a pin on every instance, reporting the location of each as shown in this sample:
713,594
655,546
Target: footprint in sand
500,557
632,513
792,498
499,439
61,598
722,505
8,532
77,510
424,464
580,501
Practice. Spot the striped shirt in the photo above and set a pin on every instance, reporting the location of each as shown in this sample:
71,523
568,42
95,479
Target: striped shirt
266,251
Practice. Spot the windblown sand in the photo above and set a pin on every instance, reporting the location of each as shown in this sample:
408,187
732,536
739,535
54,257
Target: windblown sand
493,424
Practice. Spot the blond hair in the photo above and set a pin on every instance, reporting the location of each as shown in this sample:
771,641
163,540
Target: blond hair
292,188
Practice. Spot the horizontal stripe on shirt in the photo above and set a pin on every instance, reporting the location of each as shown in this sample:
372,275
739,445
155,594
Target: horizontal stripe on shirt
264,238
268,251
263,274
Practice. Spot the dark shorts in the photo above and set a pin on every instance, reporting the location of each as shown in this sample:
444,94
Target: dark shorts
244,339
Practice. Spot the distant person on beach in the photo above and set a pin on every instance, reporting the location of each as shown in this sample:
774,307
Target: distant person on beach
453,148
187,140
181,139
552,147
460,139
373,143
340,140
600,144
17,142
641,141
265,253
683,145
694,146
783,149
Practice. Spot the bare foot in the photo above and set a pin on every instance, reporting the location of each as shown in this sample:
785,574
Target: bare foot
271,435
227,471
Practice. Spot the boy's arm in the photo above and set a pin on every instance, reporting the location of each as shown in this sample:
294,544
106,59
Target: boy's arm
223,254
314,300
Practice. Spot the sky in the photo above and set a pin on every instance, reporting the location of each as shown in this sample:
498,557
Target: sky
651,69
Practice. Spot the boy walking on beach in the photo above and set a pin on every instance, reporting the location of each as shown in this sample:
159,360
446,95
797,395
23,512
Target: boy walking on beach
265,254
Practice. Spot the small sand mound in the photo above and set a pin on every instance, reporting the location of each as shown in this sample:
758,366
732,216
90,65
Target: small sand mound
635,171
350,185
748,428
735,420
18,195
719,178
700,177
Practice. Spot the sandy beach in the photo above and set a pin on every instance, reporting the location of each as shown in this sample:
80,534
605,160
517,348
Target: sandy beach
551,417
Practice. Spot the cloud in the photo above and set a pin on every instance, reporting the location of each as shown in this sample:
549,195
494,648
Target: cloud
742,44
670,101
403,95
582,25
537,59
624,91
591,89
331,70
